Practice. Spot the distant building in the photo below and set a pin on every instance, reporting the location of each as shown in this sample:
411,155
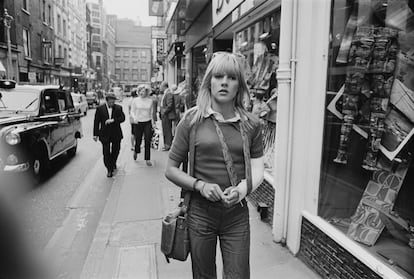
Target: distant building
109,38
97,21
32,38
62,42
133,54
77,56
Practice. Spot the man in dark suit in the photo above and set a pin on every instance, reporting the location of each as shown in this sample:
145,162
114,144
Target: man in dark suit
107,127
167,112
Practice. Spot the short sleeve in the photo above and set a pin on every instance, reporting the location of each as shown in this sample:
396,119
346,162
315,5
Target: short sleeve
256,145
180,145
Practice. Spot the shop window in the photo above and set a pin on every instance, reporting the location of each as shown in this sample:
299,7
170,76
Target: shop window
367,169
259,45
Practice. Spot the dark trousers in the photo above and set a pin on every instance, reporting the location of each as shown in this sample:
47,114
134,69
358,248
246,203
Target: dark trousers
143,128
110,150
167,131
211,221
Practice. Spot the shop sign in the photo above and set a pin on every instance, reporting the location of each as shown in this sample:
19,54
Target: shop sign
160,50
221,8
246,6
158,33
156,8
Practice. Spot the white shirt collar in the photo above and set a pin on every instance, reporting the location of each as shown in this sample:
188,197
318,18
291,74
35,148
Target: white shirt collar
219,117
109,109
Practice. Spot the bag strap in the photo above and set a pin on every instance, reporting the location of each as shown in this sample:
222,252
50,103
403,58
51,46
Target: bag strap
229,160
187,194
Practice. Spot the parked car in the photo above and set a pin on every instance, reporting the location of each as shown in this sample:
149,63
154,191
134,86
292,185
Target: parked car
80,103
37,124
92,98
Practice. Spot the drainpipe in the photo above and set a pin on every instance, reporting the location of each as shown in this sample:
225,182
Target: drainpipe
284,130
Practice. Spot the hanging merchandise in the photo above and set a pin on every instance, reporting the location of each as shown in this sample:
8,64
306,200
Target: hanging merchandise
369,79
355,85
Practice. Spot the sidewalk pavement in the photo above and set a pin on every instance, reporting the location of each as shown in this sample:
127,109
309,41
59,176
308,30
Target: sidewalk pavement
127,241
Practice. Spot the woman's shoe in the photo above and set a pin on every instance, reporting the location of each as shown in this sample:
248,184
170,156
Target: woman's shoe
135,155
149,164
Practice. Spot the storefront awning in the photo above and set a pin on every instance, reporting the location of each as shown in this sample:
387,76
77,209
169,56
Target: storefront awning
182,14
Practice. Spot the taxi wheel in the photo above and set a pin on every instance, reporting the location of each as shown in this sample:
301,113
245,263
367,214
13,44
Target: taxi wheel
40,165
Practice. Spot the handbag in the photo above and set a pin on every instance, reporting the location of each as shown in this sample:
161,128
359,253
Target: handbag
175,240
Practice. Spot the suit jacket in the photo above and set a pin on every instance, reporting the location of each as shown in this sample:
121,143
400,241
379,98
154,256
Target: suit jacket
112,131
167,106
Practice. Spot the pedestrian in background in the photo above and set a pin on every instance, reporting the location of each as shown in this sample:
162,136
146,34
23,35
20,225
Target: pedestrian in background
134,94
217,209
107,128
142,112
167,114
179,108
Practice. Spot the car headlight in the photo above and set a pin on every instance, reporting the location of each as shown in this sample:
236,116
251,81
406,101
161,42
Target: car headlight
13,138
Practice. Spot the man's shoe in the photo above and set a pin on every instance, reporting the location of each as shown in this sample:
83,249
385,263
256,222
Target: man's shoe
165,148
135,156
149,164
109,174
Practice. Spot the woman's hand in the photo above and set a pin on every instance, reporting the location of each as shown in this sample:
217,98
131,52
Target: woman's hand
231,196
210,191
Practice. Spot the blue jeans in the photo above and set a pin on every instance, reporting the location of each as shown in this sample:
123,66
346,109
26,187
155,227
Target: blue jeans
210,221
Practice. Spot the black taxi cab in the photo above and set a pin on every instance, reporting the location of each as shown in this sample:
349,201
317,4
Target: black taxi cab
37,124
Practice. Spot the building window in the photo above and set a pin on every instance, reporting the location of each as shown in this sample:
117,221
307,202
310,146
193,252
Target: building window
59,24
60,51
117,65
65,55
49,15
126,52
64,28
367,162
44,11
26,42
143,54
98,61
126,75
144,74
47,51
134,53
26,5
118,53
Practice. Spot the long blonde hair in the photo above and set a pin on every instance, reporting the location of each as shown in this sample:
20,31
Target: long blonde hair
222,63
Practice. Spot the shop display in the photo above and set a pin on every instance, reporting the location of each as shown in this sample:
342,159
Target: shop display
368,83
259,44
382,190
368,165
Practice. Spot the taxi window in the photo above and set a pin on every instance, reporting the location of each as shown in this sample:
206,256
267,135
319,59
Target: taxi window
69,101
50,103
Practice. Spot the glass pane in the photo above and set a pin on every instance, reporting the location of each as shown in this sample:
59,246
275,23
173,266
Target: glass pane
367,167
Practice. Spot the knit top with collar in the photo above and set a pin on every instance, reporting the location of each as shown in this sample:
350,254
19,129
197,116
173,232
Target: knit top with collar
209,164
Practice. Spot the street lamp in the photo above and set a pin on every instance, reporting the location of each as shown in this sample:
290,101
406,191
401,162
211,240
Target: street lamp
7,19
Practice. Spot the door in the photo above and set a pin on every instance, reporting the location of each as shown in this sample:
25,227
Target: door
57,122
